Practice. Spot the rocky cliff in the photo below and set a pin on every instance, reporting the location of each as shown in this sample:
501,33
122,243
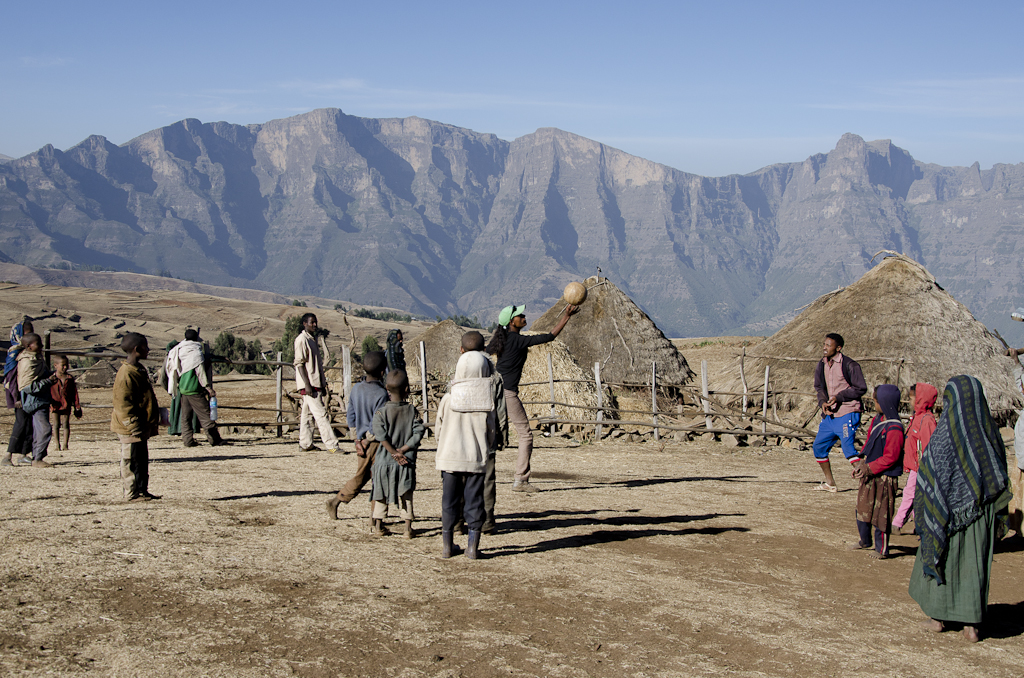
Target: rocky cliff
429,217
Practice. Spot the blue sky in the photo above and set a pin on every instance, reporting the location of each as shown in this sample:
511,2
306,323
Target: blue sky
707,87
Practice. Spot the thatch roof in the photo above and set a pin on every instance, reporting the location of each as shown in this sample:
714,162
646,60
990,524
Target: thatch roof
571,392
441,343
897,311
612,330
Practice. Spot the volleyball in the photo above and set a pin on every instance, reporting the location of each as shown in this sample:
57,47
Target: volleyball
575,293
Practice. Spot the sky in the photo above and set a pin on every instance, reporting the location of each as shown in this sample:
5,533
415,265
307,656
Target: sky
713,88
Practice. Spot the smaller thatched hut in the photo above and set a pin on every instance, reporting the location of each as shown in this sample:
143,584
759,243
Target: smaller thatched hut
900,325
570,391
99,375
612,330
441,343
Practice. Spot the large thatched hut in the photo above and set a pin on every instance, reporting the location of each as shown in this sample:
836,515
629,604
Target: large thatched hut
900,325
612,330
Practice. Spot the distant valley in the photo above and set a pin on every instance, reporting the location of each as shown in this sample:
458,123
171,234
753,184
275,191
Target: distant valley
436,219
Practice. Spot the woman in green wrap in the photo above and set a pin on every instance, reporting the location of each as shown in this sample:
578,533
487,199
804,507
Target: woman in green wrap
960,504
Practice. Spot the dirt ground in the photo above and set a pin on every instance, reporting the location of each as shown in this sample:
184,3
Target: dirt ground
634,560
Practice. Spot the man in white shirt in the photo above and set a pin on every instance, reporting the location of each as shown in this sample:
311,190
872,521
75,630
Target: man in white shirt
312,386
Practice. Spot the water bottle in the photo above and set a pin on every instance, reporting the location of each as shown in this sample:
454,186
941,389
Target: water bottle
213,408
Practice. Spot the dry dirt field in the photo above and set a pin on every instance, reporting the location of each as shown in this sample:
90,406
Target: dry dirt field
686,559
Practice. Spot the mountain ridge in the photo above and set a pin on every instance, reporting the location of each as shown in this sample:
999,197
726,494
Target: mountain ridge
437,219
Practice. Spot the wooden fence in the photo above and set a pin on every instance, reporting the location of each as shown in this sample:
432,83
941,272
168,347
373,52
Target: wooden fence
711,408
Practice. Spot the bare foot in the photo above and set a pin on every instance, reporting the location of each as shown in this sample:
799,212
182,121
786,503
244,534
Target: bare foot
857,546
876,555
933,625
971,633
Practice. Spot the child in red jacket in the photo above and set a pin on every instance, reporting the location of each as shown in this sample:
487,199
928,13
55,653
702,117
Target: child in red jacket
879,471
64,400
919,432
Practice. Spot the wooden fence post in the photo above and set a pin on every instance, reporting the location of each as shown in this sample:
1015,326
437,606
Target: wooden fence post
46,349
280,392
551,383
654,399
423,382
705,393
600,402
346,372
764,405
743,379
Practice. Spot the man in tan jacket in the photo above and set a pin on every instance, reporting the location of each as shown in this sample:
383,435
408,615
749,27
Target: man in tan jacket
312,386
135,418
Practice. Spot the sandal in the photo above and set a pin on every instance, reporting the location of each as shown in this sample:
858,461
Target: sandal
825,487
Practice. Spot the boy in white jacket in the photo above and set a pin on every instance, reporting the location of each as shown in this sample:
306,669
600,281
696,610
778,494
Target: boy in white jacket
469,425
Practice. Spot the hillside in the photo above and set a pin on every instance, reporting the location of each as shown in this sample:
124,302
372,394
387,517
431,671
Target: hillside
435,219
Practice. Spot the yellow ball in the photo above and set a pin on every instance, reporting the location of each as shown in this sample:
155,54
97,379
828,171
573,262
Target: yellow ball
575,293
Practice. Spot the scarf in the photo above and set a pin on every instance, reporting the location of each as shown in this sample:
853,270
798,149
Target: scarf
12,353
962,470
395,352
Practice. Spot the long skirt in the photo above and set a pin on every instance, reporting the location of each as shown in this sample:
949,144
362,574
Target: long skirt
967,569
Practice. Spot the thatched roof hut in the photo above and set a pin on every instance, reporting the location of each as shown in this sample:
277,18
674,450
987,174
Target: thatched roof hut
570,391
99,375
441,343
612,330
895,312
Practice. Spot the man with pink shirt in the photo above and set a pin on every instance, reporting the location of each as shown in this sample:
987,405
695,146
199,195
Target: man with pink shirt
839,383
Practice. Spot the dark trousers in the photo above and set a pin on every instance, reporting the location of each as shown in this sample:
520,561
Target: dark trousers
466,489
21,435
200,406
362,476
881,542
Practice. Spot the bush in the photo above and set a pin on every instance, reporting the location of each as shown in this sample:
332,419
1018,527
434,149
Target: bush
296,302
369,344
387,316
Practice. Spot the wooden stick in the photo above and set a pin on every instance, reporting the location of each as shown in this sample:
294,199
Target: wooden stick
764,405
423,380
278,396
346,375
600,402
704,392
743,379
654,398
551,382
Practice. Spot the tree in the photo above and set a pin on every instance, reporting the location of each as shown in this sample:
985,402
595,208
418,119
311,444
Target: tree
369,344
231,347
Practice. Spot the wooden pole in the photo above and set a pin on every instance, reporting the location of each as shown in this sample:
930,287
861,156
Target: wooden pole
423,382
704,392
551,383
764,404
280,393
600,402
743,378
346,371
46,348
654,399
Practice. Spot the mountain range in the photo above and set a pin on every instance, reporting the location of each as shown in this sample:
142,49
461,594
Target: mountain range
436,219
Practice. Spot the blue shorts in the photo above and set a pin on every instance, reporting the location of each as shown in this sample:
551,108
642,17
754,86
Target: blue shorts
843,429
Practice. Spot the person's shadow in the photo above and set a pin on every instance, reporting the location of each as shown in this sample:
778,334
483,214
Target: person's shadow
603,536
1004,620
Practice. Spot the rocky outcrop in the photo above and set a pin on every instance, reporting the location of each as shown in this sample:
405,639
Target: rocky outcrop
416,214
